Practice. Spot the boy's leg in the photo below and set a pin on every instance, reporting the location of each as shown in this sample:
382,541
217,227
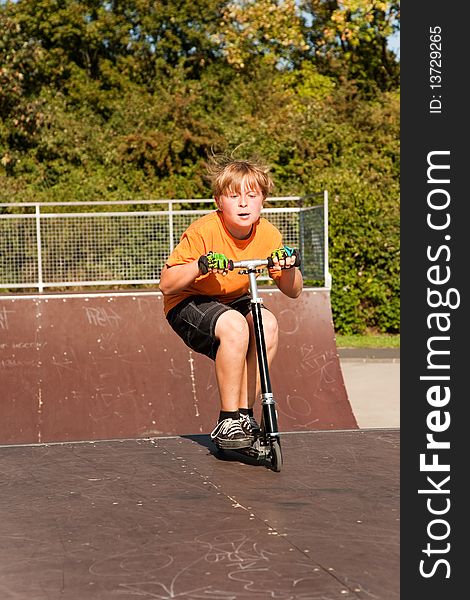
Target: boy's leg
221,333
232,332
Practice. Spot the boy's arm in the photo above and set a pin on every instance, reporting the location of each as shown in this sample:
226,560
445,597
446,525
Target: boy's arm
286,275
174,279
290,281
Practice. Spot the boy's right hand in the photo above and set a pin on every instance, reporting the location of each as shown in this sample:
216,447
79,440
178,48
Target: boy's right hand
215,262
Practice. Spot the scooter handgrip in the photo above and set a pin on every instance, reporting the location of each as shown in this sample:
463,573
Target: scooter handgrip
203,264
298,258
230,266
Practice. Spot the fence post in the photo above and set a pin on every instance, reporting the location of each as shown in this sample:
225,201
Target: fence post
170,222
39,247
327,273
302,236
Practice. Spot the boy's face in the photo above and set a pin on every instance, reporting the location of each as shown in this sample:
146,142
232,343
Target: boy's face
241,209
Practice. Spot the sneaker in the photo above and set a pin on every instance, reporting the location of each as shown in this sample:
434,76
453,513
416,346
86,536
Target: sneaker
249,425
229,434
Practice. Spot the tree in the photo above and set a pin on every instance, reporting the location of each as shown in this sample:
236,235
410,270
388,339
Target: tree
144,38
108,100
267,29
349,39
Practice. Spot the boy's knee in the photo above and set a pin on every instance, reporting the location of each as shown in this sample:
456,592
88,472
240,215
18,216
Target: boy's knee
232,327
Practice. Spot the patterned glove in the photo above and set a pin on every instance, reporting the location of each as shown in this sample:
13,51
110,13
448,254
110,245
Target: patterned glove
213,260
282,253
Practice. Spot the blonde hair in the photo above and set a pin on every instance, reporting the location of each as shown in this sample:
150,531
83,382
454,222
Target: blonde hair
226,173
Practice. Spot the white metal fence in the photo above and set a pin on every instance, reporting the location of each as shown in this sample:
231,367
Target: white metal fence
74,244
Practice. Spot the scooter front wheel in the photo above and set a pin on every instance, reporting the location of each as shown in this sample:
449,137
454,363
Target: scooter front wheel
276,454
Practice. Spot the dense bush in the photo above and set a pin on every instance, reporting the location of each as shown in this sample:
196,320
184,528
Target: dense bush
124,100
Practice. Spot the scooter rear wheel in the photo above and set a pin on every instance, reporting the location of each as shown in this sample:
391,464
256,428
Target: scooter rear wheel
276,455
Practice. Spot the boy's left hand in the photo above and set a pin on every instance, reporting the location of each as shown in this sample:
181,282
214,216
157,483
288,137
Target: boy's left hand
283,258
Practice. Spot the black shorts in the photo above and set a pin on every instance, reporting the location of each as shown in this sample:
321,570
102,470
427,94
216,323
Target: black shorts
194,320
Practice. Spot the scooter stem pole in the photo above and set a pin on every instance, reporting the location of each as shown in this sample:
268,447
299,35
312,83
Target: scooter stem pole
256,303
267,400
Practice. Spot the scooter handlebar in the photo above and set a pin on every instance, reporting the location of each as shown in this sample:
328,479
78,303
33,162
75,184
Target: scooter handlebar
248,264
254,263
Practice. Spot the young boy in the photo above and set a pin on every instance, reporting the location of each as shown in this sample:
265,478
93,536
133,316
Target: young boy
209,306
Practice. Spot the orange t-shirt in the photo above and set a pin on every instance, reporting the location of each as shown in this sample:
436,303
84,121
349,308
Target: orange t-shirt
209,233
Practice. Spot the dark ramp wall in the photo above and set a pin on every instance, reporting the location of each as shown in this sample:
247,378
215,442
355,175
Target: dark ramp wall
104,366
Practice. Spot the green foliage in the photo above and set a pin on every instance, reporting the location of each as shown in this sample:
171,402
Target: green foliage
368,341
349,40
108,100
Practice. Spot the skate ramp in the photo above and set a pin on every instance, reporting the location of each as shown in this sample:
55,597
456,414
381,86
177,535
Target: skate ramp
108,366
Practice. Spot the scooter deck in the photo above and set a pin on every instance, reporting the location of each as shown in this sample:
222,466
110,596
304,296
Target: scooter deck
262,451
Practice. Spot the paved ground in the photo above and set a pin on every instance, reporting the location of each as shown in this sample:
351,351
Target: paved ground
170,518
372,380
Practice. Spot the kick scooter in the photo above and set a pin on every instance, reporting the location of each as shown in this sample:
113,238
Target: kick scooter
266,446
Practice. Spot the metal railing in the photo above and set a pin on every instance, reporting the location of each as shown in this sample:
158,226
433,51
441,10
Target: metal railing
53,245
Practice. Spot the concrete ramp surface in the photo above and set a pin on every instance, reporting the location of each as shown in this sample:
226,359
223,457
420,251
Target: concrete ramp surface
108,366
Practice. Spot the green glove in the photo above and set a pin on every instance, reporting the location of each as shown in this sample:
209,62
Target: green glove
282,253
213,260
